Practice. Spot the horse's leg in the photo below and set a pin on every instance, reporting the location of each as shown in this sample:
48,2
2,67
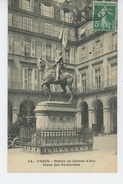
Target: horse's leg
63,86
43,83
48,89
71,91
49,92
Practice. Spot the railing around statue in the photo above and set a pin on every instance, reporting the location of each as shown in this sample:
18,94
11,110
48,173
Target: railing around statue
55,141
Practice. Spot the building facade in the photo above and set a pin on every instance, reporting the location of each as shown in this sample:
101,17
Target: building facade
33,30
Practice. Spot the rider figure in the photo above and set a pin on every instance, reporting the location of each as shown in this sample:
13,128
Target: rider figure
59,65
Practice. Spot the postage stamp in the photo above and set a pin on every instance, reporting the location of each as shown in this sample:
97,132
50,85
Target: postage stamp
104,16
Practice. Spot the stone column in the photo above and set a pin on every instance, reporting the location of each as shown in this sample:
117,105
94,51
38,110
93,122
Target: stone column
79,119
106,119
91,117
15,112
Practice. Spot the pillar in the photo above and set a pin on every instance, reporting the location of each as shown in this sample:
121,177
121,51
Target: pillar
91,118
106,119
79,119
15,112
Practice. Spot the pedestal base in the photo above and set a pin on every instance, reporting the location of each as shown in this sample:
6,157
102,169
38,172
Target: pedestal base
54,115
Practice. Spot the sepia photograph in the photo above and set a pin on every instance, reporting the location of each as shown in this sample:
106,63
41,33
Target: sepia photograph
62,86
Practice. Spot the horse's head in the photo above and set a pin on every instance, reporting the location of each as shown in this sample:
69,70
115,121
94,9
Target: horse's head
41,63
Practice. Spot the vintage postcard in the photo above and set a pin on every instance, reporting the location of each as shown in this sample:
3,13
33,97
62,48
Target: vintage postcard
62,86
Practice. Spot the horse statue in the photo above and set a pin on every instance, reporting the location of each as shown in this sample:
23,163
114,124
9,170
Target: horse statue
65,78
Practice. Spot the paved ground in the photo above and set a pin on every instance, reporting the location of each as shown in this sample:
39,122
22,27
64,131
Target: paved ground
102,158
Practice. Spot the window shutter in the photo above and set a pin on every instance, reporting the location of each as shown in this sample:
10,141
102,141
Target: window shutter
10,19
44,50
38,50
47,29
32,5
22,46
41,6
52,11
62,15
10,44
25,23
92,79
107,75
72,55
20,3
16,47
86,52
42,27
53,52
69,17
87,80
33,48
102,77
51,29
29,26
79,82
25,78
79,54
35,79
56,31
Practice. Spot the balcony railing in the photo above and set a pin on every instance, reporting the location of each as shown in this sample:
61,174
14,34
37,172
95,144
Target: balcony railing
98,86
57,88
32,86
32,27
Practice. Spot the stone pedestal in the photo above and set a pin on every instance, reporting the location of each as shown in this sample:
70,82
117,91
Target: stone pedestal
54,115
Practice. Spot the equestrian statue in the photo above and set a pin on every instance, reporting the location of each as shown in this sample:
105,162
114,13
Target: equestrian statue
55,74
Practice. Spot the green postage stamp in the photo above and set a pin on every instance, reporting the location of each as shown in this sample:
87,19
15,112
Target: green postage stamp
104,16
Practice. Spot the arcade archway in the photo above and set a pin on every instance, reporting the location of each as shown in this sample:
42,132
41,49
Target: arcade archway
113,114
84,115
98,108
27,108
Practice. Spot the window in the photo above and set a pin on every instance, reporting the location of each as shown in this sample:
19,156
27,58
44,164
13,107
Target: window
113,74
9,19
27,24
27,47
97,78
9,2
71,55
35,79
48,29
28,5
65,16
82,54
83,77
10,45
79,82
67,56
48,52
98,48
47,10
30,79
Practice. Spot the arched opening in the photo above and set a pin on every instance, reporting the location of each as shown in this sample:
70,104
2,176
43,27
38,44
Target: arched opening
27,108
10,114
98,107
84,115
113,114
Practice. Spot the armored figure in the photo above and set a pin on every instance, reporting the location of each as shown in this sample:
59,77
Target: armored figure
59,64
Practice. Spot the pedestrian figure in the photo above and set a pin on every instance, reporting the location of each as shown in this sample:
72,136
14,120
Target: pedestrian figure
103,15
